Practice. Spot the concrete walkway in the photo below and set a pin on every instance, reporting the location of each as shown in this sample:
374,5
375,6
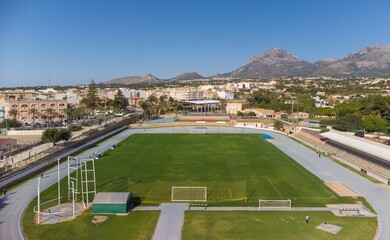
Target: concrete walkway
170,222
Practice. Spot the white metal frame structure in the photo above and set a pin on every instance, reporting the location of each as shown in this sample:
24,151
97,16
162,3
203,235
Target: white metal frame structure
75,167
288,201
190,188
87,181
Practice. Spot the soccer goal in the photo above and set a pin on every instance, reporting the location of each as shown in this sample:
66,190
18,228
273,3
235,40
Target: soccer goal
275,204
189,194
197,131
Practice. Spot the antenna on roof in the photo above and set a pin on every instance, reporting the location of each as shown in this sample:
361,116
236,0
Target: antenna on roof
49,80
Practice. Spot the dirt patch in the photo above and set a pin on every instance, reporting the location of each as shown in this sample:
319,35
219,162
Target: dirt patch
341,190
25,138
99,219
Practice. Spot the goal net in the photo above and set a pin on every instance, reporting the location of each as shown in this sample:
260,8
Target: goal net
274,204
197,131
189,194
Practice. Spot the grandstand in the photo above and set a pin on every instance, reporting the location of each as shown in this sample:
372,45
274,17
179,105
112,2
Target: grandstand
372,152
367,156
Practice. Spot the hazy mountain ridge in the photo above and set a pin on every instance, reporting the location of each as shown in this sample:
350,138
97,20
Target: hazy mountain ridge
373,61
134,79
187,76
369,62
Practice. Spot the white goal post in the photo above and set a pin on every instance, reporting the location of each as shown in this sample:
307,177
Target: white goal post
189,194
274,204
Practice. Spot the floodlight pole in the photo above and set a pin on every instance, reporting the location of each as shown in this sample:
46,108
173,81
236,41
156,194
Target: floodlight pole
39,199
58,180
73,197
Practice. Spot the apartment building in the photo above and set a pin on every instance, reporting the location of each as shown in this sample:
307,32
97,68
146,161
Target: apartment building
25,115
186,94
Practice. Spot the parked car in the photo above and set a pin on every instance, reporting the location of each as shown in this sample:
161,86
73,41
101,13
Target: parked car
359,134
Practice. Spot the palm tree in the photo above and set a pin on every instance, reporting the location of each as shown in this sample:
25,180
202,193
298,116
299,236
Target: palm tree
67,112
78,113
33,112
49,114
13,113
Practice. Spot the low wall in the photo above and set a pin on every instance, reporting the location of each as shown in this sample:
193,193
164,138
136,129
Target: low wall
311,131
203,118
182,124
24,132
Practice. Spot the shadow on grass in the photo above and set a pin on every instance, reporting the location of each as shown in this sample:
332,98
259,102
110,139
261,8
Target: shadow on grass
135,202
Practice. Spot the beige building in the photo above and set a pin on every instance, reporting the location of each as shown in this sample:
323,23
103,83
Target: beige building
233,107
187,94
7,145
25,115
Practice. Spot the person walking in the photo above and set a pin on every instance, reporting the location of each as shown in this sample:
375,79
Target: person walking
5,192
307,218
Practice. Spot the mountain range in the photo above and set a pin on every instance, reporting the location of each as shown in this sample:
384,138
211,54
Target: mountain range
373,61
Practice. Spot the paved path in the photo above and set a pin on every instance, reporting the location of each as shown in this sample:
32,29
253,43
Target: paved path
12,207
170,222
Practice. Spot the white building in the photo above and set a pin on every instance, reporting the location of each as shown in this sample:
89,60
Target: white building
228,95
186,94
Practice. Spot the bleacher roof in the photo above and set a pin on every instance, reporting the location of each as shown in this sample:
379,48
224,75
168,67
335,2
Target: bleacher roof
354,142
201,102
111,198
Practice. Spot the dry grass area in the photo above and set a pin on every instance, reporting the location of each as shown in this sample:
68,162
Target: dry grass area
21,139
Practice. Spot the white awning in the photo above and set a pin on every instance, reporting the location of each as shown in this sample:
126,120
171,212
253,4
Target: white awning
201,102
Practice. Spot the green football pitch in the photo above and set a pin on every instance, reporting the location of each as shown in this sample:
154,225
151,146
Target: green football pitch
235,168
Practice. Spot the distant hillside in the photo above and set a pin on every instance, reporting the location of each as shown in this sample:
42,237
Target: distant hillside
325,62
370,62
134,79
187,76
275,62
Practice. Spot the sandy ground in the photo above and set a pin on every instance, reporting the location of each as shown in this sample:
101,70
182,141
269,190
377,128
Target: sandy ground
25,138
66,210
350,210
340,189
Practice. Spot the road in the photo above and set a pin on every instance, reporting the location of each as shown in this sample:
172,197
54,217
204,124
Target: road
12,207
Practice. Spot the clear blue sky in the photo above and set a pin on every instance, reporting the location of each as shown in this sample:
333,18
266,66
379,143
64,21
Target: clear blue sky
75,41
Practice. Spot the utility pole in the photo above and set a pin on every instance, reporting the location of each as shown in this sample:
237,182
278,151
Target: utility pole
292,110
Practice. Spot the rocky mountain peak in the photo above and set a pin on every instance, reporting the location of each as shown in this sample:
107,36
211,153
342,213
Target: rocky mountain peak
188,76
274,55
